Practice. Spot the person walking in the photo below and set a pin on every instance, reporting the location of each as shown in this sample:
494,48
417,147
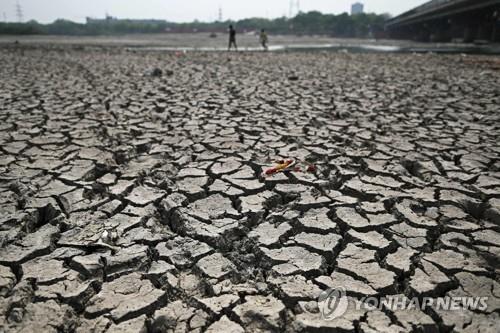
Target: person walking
232,38
263,39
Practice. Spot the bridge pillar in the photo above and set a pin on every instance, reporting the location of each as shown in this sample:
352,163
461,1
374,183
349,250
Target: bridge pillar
441,31
457,33
469,33
422,33
495,34
482,33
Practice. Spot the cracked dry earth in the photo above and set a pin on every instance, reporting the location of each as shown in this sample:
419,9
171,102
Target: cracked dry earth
132,202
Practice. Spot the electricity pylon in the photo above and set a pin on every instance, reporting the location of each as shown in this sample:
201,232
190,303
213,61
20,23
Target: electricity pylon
19,12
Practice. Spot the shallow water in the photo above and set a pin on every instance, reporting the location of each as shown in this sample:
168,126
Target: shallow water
250,43
352,48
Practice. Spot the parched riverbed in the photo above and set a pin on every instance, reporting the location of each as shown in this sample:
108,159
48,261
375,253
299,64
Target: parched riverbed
132,196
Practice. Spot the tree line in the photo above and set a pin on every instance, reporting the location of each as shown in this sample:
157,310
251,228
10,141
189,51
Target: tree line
342,25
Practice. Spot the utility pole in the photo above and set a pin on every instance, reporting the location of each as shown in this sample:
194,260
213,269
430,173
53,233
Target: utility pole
220,14
19,12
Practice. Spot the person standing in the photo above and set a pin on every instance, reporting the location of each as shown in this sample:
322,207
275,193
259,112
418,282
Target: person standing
232,38
263,39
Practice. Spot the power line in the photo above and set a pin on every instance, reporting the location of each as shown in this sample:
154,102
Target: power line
19,12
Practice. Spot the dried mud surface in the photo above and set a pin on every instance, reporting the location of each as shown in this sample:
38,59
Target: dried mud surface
132,201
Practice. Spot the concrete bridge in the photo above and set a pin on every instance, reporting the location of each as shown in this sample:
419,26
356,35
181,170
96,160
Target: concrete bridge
449,20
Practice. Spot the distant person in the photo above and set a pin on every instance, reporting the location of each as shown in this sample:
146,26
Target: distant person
232,38
263,39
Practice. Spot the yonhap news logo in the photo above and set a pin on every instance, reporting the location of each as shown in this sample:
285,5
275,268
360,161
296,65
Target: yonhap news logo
333,303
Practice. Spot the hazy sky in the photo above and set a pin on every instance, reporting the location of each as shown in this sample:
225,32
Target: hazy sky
185,10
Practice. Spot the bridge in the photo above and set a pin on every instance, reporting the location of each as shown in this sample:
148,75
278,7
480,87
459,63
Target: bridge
449,20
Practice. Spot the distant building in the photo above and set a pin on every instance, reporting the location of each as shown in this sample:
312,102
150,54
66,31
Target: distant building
108,18
111,19
357,8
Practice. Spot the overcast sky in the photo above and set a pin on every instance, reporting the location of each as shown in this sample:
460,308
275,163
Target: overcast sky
185,10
